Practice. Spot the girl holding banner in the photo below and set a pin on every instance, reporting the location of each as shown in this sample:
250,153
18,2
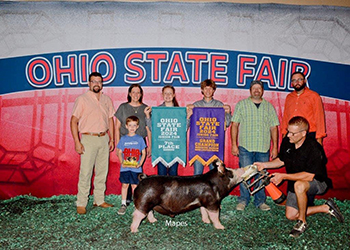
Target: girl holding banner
168,133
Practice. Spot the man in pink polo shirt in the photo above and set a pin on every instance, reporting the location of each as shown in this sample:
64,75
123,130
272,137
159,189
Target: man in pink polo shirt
93,118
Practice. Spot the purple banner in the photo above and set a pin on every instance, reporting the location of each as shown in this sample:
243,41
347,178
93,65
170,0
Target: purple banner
207,135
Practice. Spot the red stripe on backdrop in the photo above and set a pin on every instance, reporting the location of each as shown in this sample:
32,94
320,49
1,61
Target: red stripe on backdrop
37,155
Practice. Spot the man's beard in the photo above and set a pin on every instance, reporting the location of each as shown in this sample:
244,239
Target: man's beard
96,90
300,87
256,95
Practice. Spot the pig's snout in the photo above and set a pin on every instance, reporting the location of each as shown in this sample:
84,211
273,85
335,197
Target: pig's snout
249,172
239,172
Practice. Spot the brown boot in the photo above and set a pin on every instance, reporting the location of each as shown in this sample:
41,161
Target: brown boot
104,205
81,210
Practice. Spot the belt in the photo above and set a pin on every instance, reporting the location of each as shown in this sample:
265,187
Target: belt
96,134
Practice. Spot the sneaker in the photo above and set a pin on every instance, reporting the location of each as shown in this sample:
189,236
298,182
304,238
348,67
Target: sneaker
264,207
298,229
128,202
240,206
334,210
122,210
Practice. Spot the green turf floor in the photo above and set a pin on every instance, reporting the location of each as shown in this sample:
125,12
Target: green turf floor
52,223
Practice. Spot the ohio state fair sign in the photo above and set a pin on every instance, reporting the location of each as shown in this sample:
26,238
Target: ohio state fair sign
178,67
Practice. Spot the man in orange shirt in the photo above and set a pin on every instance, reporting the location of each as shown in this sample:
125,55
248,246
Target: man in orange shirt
93,118
306,103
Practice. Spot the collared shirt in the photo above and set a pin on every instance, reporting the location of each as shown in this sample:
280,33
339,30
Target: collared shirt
255,124
309,157
308,105
213,103
93,114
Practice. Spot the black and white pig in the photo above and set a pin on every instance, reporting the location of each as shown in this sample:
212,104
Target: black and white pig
172,195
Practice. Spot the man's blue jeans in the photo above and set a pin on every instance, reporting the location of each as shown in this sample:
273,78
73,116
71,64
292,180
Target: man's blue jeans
198,167
248,158
163,170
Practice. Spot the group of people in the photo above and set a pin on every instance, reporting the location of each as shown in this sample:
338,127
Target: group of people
254,131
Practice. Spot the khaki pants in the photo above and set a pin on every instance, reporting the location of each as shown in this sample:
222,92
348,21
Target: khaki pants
95,157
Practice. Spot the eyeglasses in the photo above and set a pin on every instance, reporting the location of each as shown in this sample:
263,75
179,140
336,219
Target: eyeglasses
96,82
294,133
297,80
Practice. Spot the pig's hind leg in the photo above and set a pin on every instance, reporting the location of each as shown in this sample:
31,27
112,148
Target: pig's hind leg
151,217
214,217
138,216
204,214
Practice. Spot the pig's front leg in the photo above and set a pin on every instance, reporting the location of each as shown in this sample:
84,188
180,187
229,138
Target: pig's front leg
151,217
214,217
137,218
204,213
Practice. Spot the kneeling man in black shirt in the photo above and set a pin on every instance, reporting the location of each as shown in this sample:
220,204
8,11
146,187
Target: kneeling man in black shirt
306,173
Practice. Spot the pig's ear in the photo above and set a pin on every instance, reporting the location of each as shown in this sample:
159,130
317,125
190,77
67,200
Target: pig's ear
217,163
221,169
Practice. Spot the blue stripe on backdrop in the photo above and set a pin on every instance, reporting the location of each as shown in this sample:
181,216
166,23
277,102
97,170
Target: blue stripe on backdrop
174,66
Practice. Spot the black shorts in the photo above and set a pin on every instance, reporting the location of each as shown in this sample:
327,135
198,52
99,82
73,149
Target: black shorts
129,177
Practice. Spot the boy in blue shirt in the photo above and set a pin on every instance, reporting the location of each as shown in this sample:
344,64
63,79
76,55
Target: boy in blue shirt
131,151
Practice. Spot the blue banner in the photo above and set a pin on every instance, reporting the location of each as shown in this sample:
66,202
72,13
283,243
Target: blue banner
207,135
169,135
